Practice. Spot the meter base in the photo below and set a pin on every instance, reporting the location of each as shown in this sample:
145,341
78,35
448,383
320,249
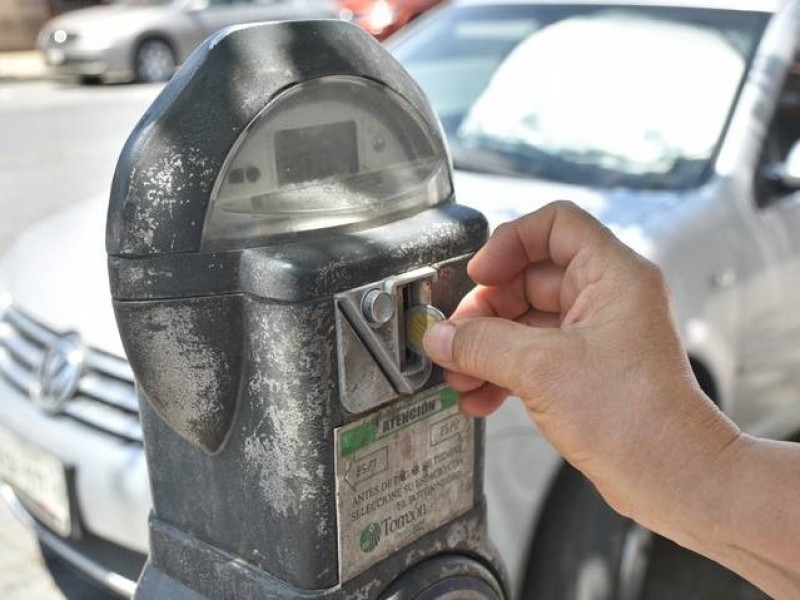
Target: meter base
456,553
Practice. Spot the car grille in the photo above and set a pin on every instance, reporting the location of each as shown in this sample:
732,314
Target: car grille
105,398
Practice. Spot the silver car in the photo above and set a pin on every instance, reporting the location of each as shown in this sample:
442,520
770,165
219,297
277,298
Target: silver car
147,39
673,121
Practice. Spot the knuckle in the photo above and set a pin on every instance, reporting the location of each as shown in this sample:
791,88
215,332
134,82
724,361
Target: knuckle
566,206
653,277
486,349
469,345
652,271
503,230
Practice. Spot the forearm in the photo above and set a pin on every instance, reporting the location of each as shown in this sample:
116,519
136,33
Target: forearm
745,514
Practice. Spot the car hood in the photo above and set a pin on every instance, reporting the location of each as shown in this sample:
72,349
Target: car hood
56,271
625,212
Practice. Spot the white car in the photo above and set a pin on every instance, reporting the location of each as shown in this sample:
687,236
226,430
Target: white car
673,121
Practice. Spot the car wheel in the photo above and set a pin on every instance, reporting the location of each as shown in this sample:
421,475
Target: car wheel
583,550
154,60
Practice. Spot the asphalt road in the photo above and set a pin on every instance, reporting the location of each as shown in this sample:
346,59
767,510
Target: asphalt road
58,145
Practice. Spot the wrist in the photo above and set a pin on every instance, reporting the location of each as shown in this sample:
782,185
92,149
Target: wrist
699,456
743,514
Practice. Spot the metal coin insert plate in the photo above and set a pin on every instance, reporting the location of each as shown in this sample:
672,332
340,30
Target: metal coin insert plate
376,361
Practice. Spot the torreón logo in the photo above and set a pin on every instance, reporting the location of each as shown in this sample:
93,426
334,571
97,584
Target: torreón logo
370,536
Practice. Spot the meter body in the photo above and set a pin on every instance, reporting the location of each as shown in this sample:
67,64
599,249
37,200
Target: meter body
281,231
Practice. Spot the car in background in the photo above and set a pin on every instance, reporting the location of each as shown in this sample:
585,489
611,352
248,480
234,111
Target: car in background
675,122
382,18
146,40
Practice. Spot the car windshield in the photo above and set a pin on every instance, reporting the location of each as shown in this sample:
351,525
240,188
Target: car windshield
601,96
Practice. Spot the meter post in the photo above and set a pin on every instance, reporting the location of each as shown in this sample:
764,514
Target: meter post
281,230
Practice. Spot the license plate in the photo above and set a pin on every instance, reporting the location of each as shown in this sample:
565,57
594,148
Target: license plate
39,478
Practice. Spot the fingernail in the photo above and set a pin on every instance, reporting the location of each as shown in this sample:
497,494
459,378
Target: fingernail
438,342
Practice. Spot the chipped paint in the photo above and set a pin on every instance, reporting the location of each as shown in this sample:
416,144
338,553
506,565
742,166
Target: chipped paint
188,382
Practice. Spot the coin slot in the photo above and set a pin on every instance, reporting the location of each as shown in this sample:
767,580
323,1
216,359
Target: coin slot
407,356
413,297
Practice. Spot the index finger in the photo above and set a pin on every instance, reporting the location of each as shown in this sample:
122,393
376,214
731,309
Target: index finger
557,232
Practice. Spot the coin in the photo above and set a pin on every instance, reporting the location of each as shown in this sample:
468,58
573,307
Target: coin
418,320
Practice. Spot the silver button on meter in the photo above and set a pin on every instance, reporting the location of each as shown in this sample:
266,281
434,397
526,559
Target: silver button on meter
281,232
378,307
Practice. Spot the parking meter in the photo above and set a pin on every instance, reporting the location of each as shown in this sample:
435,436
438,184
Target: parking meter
280,234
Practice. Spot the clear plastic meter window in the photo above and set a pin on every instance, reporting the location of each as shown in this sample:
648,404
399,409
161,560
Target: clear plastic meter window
332,152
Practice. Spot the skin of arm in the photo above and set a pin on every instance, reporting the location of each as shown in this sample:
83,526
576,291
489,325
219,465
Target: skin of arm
580,328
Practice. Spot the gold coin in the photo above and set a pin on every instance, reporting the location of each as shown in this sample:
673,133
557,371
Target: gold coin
418,320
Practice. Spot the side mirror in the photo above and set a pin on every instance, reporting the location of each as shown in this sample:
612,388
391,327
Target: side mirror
784,177
791,173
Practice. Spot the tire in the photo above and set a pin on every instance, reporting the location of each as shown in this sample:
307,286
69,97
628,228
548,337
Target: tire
583,550
154,61
90,80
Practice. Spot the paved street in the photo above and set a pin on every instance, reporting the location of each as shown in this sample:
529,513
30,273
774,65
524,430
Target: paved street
22,575
59,145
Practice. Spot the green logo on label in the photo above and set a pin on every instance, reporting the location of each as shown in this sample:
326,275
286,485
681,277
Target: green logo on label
370,536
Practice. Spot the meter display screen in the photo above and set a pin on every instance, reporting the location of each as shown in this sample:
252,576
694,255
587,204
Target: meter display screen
333,152
317,152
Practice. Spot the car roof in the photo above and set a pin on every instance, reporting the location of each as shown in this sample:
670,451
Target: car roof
766,6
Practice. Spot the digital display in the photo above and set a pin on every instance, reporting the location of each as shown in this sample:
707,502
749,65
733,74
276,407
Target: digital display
317,152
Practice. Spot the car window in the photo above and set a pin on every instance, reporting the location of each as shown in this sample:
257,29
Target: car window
602,96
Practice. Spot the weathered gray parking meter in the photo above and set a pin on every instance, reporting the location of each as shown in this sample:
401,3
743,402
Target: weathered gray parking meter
281,229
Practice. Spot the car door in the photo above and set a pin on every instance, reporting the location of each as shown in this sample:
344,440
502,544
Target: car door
770,362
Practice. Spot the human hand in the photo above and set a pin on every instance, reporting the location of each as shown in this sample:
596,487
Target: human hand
579,327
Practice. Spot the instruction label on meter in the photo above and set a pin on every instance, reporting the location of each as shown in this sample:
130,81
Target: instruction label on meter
401,473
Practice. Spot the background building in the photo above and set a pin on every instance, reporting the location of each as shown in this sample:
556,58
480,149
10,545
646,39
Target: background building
20,20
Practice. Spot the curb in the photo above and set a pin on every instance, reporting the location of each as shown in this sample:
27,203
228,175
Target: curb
21,79
22,66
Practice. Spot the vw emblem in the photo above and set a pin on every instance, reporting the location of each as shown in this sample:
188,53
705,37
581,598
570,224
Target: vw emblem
59,373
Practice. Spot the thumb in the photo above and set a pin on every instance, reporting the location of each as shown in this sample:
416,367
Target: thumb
499,351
